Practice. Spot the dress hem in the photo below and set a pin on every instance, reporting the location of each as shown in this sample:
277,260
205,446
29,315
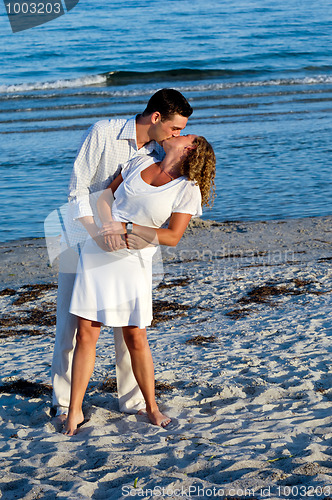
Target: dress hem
113,325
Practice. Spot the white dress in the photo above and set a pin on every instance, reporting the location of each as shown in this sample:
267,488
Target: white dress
115,288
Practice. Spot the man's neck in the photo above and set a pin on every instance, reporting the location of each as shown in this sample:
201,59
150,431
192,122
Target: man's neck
142,131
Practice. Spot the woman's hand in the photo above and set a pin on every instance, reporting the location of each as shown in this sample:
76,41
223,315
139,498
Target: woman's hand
135,242
111,236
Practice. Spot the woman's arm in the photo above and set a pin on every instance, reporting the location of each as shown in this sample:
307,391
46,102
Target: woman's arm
170,236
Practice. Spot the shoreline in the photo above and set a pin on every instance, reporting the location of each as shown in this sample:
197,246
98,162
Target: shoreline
27,259
208,222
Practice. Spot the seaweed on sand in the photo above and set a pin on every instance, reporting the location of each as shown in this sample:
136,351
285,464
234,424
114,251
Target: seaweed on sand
200,339
26,388
163,311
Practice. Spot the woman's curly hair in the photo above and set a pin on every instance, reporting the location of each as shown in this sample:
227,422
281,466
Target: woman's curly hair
200,165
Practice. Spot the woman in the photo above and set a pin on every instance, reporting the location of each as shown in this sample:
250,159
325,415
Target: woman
114,288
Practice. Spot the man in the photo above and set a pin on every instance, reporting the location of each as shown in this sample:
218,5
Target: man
107,146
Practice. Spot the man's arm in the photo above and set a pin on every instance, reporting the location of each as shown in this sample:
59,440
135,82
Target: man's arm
89,224
84,170
105,200
111,230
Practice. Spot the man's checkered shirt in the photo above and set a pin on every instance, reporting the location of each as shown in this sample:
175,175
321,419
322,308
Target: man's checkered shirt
105,148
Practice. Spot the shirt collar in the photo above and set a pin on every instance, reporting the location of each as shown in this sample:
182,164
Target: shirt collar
129,133
129,130
153,146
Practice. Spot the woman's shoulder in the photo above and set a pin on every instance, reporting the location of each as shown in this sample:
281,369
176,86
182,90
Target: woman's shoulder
189,185
189,199
188,190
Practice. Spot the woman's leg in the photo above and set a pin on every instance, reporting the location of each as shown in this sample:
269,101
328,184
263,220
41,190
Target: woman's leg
83,365
141,360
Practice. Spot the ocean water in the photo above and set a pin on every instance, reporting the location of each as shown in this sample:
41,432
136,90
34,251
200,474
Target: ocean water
258,75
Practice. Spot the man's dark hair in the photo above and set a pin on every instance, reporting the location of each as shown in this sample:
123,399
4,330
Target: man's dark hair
168,102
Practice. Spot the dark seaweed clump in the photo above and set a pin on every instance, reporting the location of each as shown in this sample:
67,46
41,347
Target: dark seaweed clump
7,291
163,311
266,294
200,339
33,292
163,387
26,388
109,385
36,317
176,282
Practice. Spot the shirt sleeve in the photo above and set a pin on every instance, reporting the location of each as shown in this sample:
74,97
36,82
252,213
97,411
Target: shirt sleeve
85,167
189,201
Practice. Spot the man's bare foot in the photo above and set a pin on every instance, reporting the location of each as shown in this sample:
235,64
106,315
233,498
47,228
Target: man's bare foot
157,418
60,419
58,422
74,419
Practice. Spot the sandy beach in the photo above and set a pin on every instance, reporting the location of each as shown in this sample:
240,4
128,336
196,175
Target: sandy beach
240,341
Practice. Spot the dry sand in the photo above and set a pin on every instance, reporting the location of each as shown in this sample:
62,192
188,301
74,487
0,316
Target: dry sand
243,366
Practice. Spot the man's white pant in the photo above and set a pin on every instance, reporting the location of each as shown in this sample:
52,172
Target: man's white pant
130,397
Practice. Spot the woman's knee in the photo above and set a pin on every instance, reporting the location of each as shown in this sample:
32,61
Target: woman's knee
135,338
87,332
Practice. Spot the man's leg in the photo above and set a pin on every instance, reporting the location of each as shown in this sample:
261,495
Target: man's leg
131,399
65,338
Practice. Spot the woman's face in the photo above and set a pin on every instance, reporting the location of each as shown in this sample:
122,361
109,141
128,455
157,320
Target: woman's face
182,142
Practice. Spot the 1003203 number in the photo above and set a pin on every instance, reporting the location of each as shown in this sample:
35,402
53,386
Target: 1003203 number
304,491
34,8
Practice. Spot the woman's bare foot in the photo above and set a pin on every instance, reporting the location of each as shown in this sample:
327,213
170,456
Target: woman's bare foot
73,420
157,418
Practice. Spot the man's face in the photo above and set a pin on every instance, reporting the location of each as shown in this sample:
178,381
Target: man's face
169,128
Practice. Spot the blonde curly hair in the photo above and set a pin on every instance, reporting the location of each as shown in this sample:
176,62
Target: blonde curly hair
200,165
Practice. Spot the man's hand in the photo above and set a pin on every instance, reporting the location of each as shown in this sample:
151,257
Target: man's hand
110,237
